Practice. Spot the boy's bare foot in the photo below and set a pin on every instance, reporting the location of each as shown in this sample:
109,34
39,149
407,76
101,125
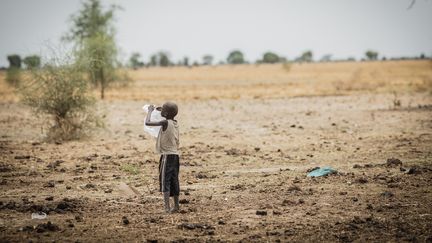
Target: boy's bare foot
175,210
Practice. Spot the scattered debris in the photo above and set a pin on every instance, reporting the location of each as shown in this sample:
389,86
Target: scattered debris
38,215
191,226
322,172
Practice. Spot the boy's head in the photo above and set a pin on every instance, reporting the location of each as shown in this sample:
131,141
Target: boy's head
169,110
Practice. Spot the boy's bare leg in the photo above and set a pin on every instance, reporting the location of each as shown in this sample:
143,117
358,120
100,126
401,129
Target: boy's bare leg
166,201
176,204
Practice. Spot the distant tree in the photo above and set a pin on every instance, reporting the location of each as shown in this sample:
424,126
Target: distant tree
371,55
270,57
235,57
207,59
185,61
14,61
135,61
326,58
307,56
93,33
33,61
422,56
163,59
153,60
160,59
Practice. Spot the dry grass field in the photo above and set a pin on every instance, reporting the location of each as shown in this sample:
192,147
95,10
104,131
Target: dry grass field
249,135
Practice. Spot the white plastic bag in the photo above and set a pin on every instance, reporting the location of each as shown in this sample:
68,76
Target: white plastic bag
155,117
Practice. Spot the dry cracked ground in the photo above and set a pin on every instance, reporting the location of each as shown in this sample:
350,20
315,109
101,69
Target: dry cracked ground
243,173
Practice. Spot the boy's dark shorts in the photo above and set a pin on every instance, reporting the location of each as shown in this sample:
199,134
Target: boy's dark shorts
169,166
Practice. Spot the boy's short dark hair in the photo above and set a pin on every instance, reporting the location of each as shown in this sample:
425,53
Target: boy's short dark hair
171,108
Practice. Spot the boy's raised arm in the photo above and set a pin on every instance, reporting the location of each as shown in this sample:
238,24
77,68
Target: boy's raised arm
150,123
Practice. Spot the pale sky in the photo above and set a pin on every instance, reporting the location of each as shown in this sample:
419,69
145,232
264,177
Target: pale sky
194,28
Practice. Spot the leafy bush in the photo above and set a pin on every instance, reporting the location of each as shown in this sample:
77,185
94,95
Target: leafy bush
61,92
33,61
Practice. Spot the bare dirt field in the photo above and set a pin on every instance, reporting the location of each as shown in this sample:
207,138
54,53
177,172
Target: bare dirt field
249,136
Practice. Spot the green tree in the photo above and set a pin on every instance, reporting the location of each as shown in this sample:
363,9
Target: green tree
14,61
270,57
207,59
93,33
235,57
135,60
307,56
371,55
160,59
164,59
32,61
13,73
186,61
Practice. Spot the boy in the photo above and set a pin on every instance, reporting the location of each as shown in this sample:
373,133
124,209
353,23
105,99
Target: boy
167,143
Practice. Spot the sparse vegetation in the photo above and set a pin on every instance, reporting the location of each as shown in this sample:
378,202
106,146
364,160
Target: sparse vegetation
13,76
130,168
61,92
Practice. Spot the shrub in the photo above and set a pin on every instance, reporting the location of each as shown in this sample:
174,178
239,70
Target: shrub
61,92
13,76
32,61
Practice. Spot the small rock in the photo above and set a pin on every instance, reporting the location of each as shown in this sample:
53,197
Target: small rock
50,198
293,188
184,201
361,180
261,212
22,157
50,184
41,228
125,220
387,194
393,162
357,166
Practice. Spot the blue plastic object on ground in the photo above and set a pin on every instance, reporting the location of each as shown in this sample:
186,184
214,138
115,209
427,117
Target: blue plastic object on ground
322,171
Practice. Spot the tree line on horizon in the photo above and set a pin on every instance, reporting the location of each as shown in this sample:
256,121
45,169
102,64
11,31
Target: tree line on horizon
162,59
